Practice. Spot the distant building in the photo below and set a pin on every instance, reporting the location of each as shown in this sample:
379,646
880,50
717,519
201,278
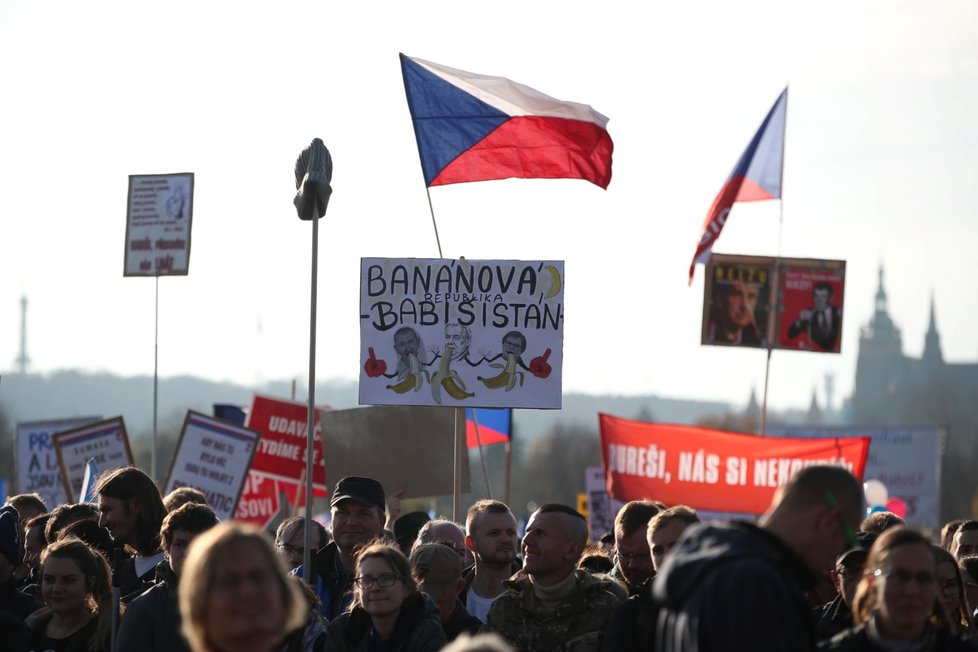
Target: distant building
894,389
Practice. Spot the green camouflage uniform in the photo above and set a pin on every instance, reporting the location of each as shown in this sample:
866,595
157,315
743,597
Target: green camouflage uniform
576,625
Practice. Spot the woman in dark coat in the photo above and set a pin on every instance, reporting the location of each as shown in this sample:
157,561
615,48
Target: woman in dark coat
388,614
898,604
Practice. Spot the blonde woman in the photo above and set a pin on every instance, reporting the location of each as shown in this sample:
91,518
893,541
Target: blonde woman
76,585
898,605
234,593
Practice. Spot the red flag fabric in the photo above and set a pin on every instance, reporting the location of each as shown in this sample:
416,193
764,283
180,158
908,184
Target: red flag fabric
756,176
709,469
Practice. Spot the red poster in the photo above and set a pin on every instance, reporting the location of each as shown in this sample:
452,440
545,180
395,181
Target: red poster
811,315
709,469
281,450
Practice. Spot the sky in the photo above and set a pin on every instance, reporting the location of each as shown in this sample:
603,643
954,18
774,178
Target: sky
879,170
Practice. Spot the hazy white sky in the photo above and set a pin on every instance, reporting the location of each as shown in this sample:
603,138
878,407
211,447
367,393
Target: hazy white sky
880,166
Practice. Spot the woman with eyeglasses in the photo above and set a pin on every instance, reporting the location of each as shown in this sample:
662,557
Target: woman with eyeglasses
388,614
898,605
969,575
235,594
952,591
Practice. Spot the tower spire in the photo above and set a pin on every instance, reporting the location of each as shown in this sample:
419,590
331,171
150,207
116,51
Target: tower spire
23,360
932,340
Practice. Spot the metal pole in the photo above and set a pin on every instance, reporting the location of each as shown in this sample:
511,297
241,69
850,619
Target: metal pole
482,456
156,375
509,462
459,447
308,573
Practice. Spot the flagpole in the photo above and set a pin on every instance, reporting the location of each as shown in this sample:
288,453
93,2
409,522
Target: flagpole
431,208
156,376
777,265
482,457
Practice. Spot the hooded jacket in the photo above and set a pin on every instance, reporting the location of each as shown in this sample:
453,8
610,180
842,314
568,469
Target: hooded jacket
733,587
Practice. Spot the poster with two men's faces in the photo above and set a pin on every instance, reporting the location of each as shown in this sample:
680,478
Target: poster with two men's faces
784,303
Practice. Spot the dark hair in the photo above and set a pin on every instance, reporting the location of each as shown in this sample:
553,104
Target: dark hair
948,531
823,286
291,525
39,521
182,496
520,335
577,529
394,557
480,507
879,521
190,517
64,515
595,560
634,516
961,620
812,485
93,534
133,486
28,500
969,565
98,582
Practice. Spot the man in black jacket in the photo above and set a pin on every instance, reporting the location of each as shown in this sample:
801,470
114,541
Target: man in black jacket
357,511
151,622
741,587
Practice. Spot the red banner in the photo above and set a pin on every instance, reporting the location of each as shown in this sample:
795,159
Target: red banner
709,469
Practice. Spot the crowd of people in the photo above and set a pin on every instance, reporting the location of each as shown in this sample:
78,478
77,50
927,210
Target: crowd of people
137,571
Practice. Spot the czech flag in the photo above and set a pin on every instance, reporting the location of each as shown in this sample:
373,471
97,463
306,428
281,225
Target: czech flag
475,128
495,426
756,176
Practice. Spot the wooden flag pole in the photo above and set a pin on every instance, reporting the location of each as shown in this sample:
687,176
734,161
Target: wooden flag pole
482,457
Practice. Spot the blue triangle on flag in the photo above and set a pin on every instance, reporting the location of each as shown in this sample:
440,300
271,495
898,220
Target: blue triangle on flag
447,120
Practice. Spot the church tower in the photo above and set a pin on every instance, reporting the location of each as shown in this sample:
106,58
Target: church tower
932,358
880,366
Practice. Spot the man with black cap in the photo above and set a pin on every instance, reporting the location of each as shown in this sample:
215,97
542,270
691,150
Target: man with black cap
357,512
837,615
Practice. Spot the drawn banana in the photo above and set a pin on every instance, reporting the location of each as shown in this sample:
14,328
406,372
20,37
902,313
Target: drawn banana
448,379
506,378
405,385
412,379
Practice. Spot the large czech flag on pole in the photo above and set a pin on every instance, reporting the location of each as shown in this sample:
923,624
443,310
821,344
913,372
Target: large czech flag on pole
475,128
756,176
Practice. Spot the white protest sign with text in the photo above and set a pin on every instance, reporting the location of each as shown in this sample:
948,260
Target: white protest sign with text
213,456
160,210
106,442
37,462
472,333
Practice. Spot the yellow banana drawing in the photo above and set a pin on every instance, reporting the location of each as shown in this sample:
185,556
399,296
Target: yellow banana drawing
507,377
449,379
411,379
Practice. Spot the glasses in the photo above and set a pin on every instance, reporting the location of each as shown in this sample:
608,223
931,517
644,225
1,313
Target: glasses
903,577
850,532
383,581
289,550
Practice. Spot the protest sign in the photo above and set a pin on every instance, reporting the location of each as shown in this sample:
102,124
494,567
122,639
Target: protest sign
472,333
737,297
905,459
160,209
602,508
392,444
105,441
812,294
213,456
277,475
712,469
37,461
783,303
